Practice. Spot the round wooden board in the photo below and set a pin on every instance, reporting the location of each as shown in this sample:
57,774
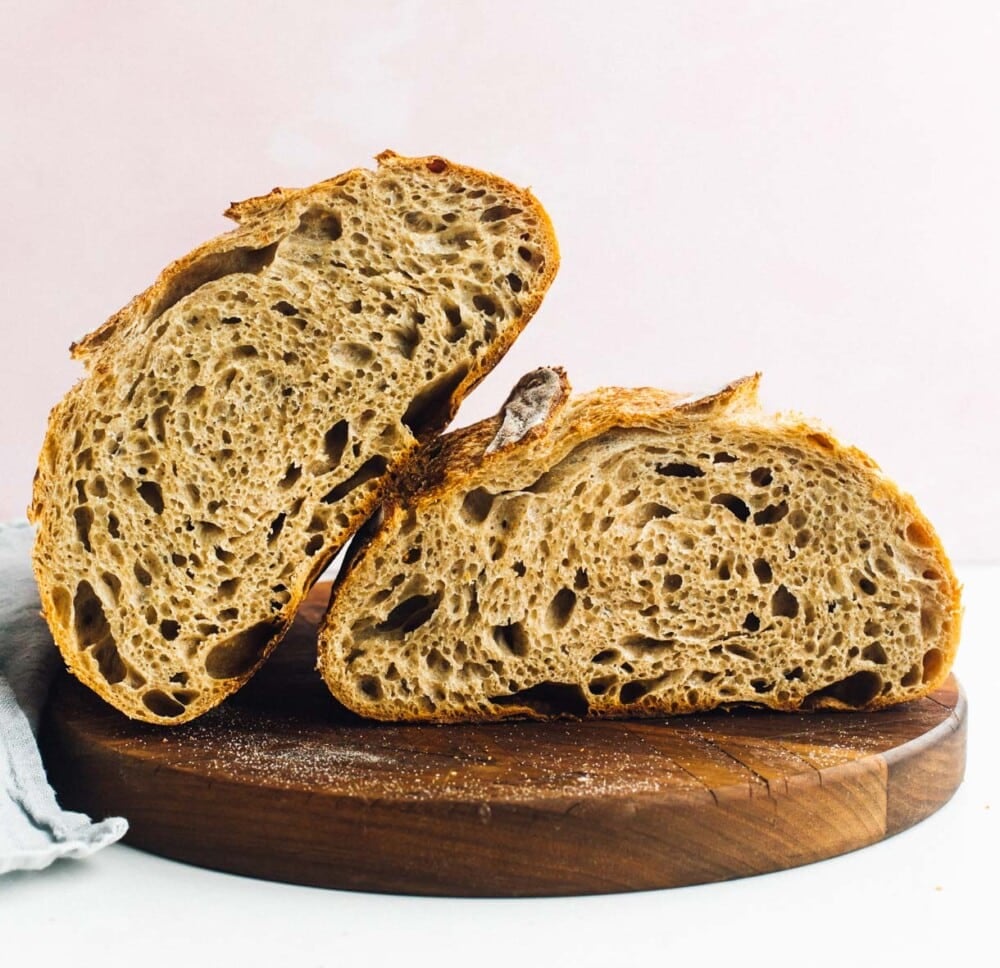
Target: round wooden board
281,783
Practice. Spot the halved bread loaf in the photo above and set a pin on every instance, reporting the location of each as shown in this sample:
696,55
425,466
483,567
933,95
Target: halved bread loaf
633,552
240,417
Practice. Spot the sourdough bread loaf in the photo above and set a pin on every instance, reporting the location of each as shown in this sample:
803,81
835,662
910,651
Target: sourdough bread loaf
239,419
631,553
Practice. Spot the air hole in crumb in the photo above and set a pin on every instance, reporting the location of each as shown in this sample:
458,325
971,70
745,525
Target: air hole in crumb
334,442
372,468
113,582
761,476
484,304
285,308
647,645
84,518
784,603
933,663
772,514
606,657
581,581
751,623
89,621
409,614
763,571
292,475
412,556
351,355
874,653
511,637
514,281
733,504
371,687
652,511
561,608
151,493
228,587
142,576
477,504
929,622
457,329
855,691
635,690
314,544
497,212
275,529
679,469
600,686
158,702
170,629
237,655
885,567
724,458
548,699
673,582
320,224
525,253
867,586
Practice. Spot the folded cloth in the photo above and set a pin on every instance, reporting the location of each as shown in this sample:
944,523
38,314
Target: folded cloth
34,830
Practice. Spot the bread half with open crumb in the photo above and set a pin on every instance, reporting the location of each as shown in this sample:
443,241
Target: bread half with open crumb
240,417
633,553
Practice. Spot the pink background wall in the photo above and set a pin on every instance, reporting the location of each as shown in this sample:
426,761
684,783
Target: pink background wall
807,188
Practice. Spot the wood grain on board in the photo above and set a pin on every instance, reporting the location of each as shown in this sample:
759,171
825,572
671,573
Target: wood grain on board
282,783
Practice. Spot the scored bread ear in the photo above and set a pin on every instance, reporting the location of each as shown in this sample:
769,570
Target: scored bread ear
640,553
531,406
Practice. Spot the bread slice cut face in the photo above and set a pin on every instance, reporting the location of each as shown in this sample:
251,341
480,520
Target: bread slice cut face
633,553
239,418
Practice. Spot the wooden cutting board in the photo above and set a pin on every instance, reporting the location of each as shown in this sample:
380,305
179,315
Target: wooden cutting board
282,783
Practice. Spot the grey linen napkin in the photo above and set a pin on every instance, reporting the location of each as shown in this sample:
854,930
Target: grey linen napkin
34,830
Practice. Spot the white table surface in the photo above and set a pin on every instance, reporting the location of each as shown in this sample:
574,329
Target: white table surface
927,896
